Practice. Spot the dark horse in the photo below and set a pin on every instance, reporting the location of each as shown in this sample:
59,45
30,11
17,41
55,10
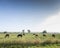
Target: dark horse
24,34
19,35
53,35
7,35
36,35
44,35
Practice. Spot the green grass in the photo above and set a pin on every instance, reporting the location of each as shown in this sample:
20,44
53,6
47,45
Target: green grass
30,41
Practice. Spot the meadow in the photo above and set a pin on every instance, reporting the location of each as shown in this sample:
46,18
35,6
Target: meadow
30,41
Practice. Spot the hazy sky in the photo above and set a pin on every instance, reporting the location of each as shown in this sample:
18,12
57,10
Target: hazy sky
36,15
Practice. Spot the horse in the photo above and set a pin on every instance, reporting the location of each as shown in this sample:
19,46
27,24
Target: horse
24,34
53,35
19,35
36,35
44,35
7,35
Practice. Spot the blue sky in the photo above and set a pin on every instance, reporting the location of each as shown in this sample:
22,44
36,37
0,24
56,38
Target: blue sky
16,15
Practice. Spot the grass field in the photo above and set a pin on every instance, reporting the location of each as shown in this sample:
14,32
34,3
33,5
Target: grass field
30,41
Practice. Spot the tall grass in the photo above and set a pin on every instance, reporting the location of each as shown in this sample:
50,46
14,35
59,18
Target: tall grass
29,41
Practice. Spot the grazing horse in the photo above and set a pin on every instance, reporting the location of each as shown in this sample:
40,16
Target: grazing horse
36,35
7,35
53,35
19,35
44,35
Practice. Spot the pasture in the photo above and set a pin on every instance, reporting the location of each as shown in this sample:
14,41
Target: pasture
29,41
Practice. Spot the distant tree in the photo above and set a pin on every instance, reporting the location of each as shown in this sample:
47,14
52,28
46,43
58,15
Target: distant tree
28,31
44,31
23,31
5,32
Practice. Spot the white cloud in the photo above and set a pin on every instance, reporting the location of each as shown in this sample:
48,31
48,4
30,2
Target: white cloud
51,23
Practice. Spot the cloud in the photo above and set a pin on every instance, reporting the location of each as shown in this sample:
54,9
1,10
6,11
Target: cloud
51,23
